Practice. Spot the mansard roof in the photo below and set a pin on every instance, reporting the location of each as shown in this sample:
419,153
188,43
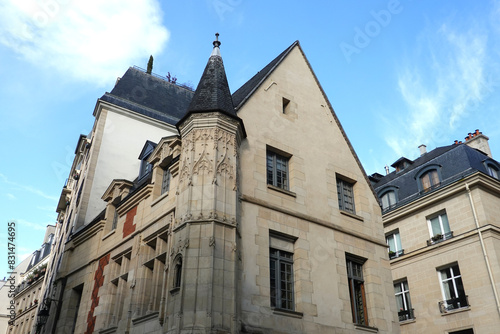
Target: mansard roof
454,162
150,95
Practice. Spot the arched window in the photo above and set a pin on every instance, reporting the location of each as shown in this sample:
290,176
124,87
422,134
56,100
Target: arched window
429,178
178,272
388,197
493,169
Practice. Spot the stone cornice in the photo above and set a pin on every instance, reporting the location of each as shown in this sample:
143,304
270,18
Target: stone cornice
311,219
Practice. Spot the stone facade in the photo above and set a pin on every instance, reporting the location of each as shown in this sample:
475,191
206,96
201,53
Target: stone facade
207,241
468,198
29,275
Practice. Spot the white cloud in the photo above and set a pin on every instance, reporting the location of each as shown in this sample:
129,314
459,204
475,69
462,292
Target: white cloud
445,82
89,40
35,226
30,189
11,197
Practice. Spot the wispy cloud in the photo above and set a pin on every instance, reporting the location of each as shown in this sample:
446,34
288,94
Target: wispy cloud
31,225
89,40
11,197
30,189
450,81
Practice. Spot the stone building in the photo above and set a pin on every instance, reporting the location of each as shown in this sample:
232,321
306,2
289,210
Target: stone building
441,220
206,212
29,276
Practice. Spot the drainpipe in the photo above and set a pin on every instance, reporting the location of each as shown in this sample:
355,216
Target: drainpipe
488,267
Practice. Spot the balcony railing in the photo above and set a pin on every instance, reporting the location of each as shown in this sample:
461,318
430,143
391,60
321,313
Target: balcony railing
405,315
393,255
439,238
452,304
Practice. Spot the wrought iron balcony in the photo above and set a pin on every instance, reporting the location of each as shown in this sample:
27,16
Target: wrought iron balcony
452,304
405,315
439,238
393,255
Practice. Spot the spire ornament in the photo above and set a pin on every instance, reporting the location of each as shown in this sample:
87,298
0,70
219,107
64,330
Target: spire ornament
217,43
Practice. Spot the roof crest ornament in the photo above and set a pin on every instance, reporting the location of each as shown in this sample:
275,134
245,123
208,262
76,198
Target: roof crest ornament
217,43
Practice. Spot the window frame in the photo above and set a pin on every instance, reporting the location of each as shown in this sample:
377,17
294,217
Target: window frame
272,179
398,251
165,181
341,195
276,260
492,169
386,191
442,235
457,288
406,312
425,171
353,280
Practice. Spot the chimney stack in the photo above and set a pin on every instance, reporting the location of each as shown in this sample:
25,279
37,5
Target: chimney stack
386,170
478,141
423,149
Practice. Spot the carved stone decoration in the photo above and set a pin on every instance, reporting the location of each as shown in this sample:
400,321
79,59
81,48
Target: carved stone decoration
235,247
211,242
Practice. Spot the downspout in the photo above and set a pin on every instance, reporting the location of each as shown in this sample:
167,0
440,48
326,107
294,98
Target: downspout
485,254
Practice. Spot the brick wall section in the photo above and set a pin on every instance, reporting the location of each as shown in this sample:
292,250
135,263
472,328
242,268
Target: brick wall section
98,282
129,225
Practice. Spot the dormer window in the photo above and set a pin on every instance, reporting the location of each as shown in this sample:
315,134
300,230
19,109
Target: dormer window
429,178
493,168
146,167
401,164
388,199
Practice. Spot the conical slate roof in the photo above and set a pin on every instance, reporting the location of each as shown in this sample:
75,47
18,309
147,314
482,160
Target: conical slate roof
212,93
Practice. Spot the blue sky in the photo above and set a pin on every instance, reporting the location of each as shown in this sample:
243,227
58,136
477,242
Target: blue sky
398,74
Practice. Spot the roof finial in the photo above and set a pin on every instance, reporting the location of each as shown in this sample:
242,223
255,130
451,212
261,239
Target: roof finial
216,42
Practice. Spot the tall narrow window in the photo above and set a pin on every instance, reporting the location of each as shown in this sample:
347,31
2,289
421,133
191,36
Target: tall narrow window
277,170
402,293
281,271
357,290
345,195
165,184
178,272
115,219
394,242
439,228
452,289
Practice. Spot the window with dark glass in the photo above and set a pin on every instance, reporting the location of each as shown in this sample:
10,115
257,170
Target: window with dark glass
277,170
452,289
281,273
357,290
178,272
165,183
345,195
115,219
402,293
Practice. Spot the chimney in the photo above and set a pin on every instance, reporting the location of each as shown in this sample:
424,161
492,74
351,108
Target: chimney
386,170
422,149
478,141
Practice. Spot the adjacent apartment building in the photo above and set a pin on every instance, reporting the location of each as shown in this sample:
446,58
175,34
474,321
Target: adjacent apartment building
28,276
210,212
441,216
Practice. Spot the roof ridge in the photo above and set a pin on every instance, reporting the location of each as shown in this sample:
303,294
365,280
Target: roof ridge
261,76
